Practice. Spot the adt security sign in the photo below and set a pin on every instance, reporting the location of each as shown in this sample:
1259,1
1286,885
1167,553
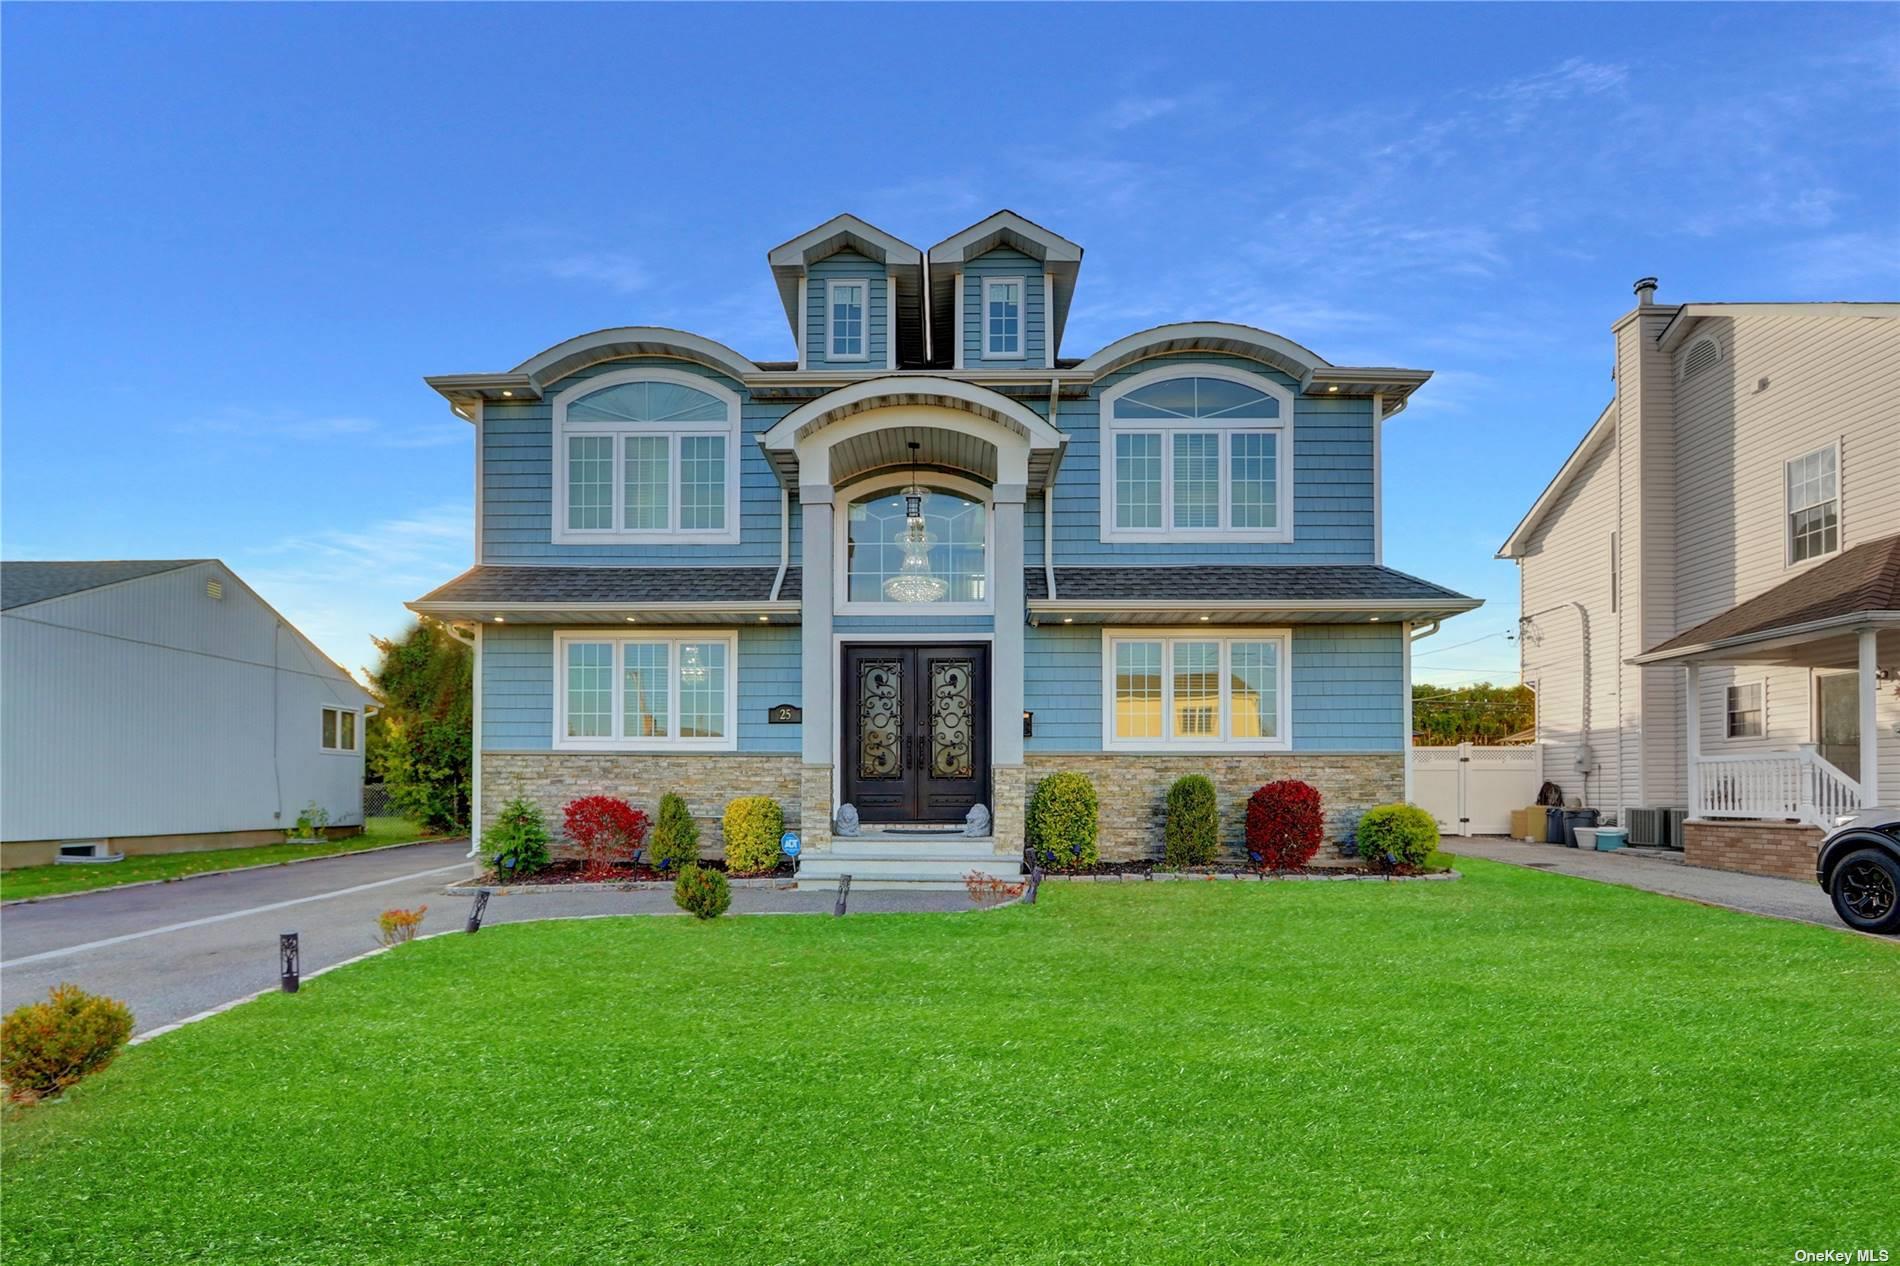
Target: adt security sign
788,844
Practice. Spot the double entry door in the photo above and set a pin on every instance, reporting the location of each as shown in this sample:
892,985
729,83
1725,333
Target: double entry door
917,729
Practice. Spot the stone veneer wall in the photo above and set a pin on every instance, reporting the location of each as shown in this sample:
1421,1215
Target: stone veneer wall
1784,850
706,780
1132,790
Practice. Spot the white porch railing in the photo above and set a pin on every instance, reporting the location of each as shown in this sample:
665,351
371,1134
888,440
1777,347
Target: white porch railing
1775,787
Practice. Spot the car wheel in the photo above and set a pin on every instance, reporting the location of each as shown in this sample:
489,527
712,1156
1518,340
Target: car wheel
1866,891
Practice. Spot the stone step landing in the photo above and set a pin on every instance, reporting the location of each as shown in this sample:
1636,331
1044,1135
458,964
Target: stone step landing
881,860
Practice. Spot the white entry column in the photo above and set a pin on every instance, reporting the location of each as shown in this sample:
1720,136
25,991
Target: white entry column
1869,718
1008,778
816,668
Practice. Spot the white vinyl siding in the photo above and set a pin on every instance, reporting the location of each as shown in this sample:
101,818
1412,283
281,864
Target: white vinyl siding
1196,692
645,692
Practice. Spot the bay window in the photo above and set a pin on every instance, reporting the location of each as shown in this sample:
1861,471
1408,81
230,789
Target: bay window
1197,454
631,692
1196,691
646,456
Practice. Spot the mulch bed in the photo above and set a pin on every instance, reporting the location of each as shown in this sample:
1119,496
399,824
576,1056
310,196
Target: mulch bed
568,870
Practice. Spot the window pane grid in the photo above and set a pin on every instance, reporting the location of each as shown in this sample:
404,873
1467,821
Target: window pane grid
1196,712
1138,481
645,463
702,690
847,319
1254,689
1813,505
1745,719
590,482
702,483
1005,317
1196,692
1253,474
590,689
644,682
1138,690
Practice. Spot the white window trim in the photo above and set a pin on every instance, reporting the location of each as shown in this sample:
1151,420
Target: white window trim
356,731
864,288
1226,636
841,582
1840,508
1728,712
617,741
562,534
1022,319
1282,427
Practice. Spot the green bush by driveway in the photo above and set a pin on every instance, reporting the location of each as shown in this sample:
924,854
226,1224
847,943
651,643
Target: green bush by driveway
1512,1067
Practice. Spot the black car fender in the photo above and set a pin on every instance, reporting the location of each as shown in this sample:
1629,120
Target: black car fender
1836,847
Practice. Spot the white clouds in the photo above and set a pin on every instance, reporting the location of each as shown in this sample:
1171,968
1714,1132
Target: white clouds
265,427
619,271
1844,265
340,586
1134,111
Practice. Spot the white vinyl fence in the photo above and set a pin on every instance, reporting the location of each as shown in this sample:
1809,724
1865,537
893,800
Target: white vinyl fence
1472,790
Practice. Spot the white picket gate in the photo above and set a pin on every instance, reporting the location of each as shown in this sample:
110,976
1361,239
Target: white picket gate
1472,790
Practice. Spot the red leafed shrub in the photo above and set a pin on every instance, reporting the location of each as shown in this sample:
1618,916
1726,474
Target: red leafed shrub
1286,822
609,831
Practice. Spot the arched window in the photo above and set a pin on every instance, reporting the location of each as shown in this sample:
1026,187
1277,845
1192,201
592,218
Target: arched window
1197,453
923,546
646,455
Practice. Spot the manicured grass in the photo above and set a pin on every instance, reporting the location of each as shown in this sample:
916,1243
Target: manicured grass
1512,1067
45,881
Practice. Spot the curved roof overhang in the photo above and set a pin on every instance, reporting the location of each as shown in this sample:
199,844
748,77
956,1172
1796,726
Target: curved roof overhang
1207,336
529,379
943,407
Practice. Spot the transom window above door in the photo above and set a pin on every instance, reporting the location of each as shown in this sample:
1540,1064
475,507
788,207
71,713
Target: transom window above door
646,456
1197,453
936,559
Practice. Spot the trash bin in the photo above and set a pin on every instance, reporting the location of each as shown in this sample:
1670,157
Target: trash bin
1574,818
1611,838
1554,825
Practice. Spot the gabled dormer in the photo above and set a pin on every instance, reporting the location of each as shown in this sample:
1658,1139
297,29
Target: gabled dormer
851,293
1000,293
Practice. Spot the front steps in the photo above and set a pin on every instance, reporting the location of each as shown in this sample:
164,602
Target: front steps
906,859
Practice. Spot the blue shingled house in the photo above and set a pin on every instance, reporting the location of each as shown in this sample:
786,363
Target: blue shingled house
933,560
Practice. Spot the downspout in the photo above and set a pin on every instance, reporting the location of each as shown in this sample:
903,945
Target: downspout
925,302
1584,754
475,753
1048,507
784,539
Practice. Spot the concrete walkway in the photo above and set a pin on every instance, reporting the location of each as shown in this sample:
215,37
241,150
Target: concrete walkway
1755,894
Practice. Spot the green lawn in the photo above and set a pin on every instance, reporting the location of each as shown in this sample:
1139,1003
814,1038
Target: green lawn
45,881
1515,1067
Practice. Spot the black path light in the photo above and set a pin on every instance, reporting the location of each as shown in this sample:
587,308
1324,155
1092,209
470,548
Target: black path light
287,962
1035,882
475,911
844,891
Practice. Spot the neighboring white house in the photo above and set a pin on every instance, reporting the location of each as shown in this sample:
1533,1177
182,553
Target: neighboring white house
1724,547
161,706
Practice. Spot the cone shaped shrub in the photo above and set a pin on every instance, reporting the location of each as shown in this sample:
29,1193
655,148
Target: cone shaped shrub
675,836
1397,835
517,844
752,826
702,892
1193,831
1060,823
1286,823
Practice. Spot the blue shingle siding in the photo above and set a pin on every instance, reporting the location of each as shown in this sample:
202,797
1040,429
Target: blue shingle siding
1005,263
1348,688
1332,482
518,475
518,687
921,627
847,264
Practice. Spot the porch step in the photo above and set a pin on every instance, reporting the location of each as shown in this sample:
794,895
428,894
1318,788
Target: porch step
881,862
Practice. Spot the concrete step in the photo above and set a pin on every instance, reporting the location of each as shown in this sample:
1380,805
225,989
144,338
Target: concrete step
824,868
954,848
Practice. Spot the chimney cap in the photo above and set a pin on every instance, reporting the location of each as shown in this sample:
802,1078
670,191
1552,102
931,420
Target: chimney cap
1645,288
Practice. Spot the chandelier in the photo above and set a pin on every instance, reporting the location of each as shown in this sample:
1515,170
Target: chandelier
914,581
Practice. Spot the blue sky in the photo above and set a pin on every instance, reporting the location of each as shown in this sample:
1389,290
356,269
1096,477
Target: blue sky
235,237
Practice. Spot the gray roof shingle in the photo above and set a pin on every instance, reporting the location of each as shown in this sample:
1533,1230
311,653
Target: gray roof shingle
28,582
634,586
1238,583
1864,578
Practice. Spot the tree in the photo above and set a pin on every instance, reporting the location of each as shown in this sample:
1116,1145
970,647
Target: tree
1444,716
420,744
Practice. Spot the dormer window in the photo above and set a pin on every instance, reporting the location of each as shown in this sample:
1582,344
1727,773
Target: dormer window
844,320
1198,453
648,455
1003,318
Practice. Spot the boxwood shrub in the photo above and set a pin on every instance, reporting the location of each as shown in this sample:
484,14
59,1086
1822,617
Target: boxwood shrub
1192,837
702,891
1397,835
752,826
675,836
47,1046
1061,821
